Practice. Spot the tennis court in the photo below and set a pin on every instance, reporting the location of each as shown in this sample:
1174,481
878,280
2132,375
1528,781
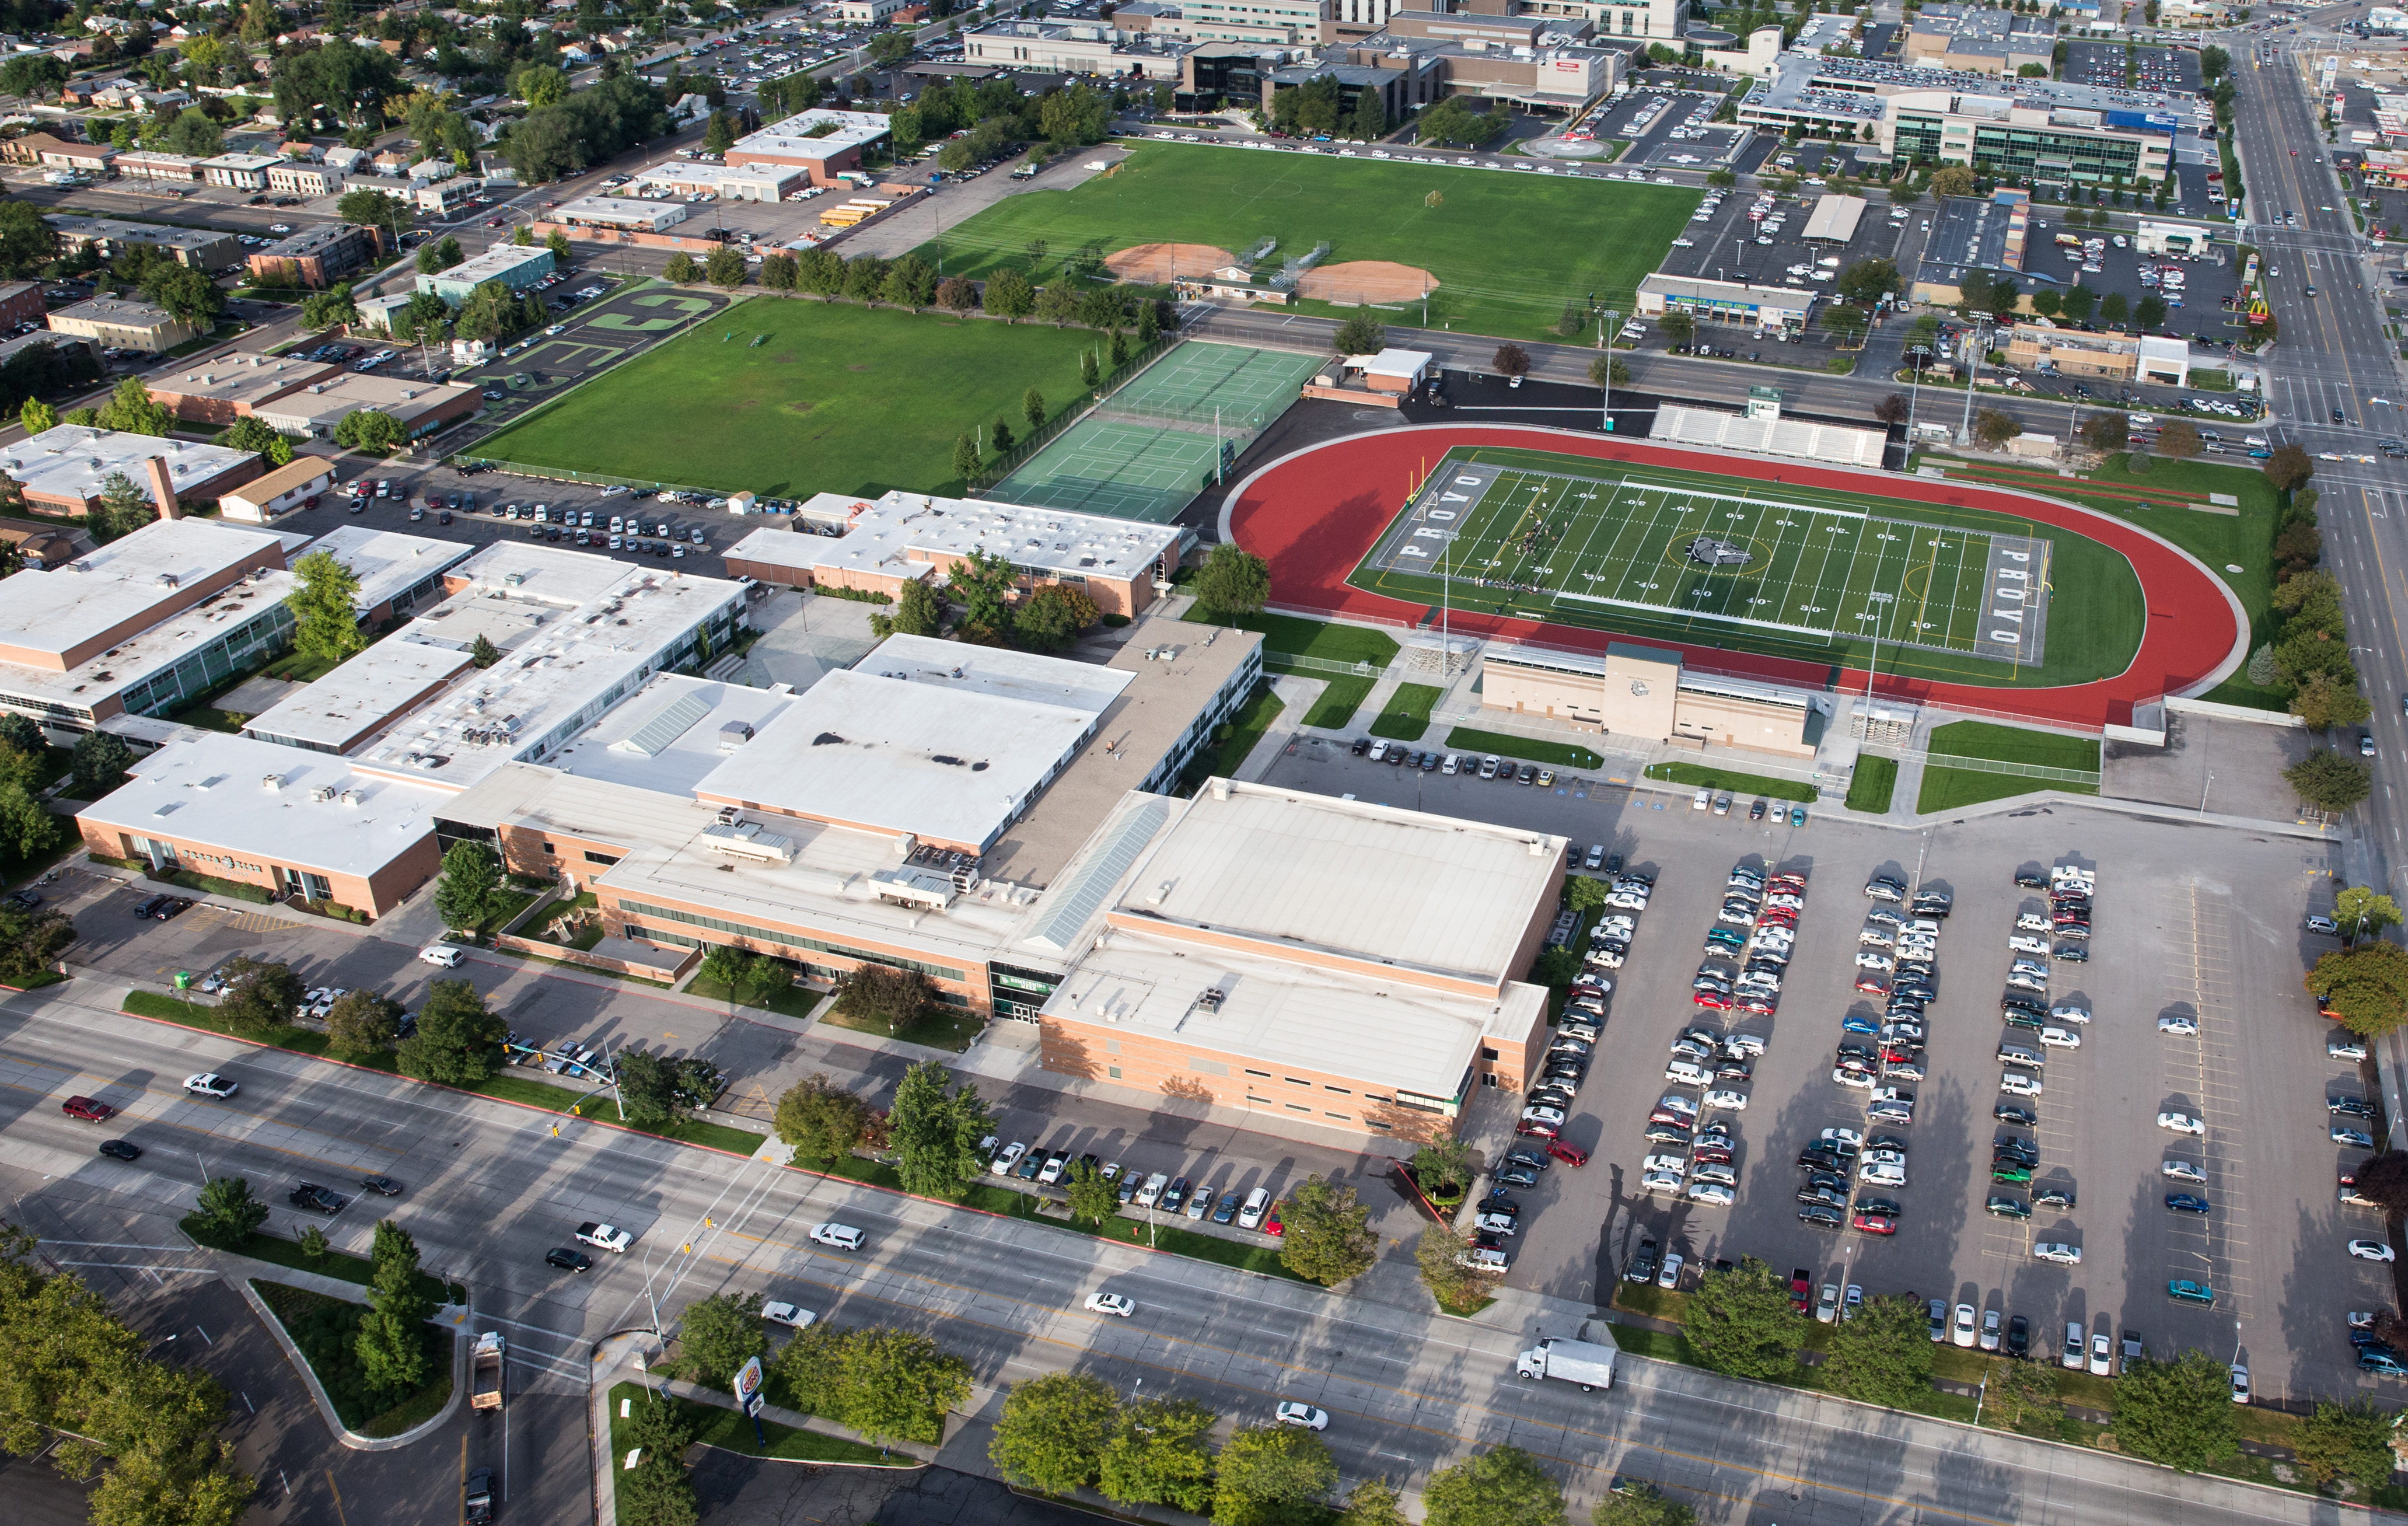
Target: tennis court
1150,447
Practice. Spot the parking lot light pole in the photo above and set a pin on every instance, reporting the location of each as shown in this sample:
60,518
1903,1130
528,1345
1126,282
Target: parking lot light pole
1611,318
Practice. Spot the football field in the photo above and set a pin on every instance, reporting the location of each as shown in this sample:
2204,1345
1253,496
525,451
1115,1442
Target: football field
1688,554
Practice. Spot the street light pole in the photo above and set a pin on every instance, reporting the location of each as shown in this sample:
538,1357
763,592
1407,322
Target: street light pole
1973,375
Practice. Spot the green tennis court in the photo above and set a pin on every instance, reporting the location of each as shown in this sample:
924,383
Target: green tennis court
1151,446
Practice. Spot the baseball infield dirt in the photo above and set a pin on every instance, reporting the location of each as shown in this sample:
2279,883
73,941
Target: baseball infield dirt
1367,280
1154,265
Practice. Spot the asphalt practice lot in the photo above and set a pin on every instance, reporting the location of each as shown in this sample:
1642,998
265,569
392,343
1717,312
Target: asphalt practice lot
2172,936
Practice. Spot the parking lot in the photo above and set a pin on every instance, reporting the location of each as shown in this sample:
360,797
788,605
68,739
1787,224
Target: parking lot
1671,128
2219,944
2194,302
1725,247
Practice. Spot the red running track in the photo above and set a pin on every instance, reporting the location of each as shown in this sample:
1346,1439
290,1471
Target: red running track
1315,513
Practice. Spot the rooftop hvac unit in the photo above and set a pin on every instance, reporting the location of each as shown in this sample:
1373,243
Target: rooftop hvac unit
271,783
352,798
322,793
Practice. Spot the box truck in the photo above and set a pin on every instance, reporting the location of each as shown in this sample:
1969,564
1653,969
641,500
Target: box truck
1584,1362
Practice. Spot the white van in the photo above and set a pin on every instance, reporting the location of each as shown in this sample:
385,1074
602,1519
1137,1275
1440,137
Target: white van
2016,1084
2016,1053
1687,1072
1251,1215
2072,1356
445,954
2256,442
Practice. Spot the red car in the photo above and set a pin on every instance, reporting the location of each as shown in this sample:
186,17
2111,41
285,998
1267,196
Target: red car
1712,1001
1877,1223
1570,1154
1273,1225
1533,1128
1802,1290
1872,984
89,1109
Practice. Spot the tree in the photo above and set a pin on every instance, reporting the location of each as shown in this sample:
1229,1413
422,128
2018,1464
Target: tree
656,1490
1446,1166
26,825
36,416
1233,582
557,242
1000,436
1438,1256
1058,305
1329,1237
1052,1433
1032,407
471,884
718,135
681,270
132,410
2365,987
1867,281
910,282
392,1354
1008,294
362,1023
881,993
935,1132
1892,410
27,242
1994,428
1608,368
1160,1453
2113,309
2105,432
1090,370
325,610
251,432
124,506
482,651
648,1088
2289,468
33,77
2364,912
1273,1476
1503,1486
1741,1323
228,1214
718,1335
979,585
457,1036
2179,1412
1679,324
725,267
2179,441
2023,1395
966,457
98,764
1361,335
1048,619
918,612
819,1118
2384,1178
1090,1195
190,297
1952,180
1884,1354
1374,1502
369,429
1511,360
1845,324
259,994
1641,1504
2329,781
889,1385
865,279
2149,314
2348,1444
2324,701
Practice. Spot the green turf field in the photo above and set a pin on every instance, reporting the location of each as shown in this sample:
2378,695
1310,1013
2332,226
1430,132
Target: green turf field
1576,542
837,398
1509,251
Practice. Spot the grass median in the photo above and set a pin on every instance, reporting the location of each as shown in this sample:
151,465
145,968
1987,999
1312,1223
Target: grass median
728,1429
1875,781
326,1330
1732,781
504,1086
1407,713
1553,754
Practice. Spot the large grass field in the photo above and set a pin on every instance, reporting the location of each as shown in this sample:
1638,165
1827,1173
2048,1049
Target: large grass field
1576,542
1509,251
837,398
2157,500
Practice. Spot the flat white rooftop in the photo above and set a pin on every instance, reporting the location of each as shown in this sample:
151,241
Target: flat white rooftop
1365,881
48,613
210,791
948,762
388,563
331,714
900,529
800,137
670,736
1290,1015
996,671
70,461
578,634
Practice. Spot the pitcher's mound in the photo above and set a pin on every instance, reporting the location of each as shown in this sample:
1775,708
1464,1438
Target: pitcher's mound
1155,265
1367,280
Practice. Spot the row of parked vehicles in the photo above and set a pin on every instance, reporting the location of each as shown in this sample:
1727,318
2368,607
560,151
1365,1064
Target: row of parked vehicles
1160,1191
2026,1008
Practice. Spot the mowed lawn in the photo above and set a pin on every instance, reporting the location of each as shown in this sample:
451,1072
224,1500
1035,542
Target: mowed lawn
1508,250
838,399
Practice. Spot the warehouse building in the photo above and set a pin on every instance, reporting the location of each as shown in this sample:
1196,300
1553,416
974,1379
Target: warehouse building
315,411
226,387
62,469
827,144
517,267
761,181
1767,308
619,214
880,545
1641,691
123,323
203,248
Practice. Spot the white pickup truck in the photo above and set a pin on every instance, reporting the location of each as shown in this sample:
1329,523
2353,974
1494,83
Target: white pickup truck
608,1237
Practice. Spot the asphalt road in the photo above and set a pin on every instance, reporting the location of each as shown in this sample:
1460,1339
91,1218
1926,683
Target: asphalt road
489,1189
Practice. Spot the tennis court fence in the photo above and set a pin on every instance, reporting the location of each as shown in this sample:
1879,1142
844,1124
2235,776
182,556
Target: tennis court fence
1013,459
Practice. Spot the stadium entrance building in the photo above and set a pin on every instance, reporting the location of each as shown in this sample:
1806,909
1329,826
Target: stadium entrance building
1641,691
